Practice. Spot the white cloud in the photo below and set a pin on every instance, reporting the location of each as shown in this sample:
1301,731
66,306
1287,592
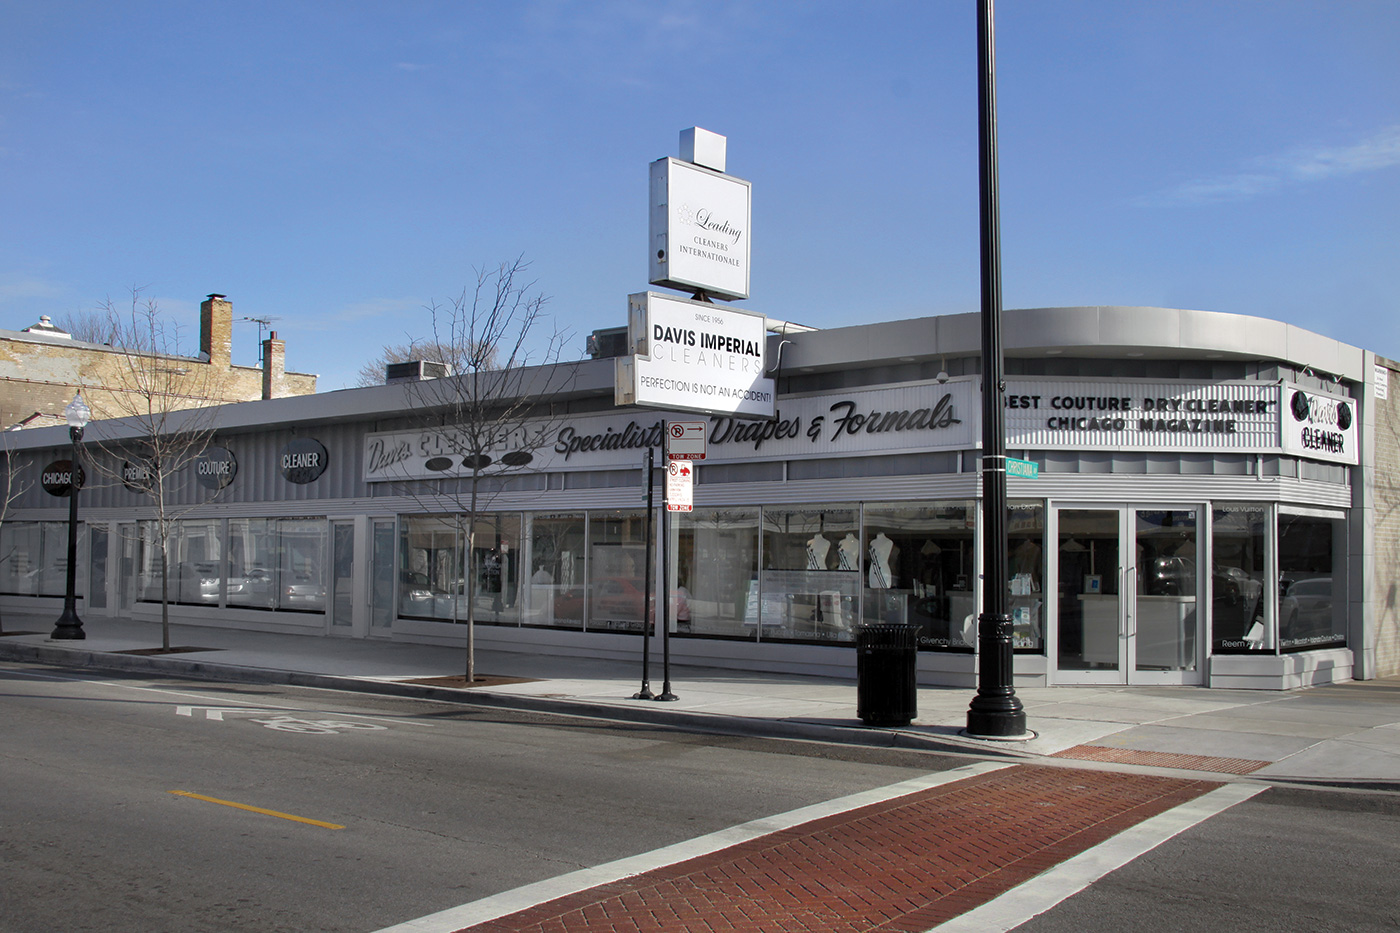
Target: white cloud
17,287
1297,166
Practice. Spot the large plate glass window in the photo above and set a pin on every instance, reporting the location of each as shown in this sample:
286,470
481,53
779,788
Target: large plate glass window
34,558
556,585
496,568
1311,607
920,569
1241,614
618,552
714,562
1025,543
811,578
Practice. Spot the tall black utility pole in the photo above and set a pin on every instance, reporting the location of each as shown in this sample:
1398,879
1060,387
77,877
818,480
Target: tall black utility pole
996,711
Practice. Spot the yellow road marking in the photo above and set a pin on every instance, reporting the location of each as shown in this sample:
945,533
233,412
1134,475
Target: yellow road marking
244,806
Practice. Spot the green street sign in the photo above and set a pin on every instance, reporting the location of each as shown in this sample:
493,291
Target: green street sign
1025,469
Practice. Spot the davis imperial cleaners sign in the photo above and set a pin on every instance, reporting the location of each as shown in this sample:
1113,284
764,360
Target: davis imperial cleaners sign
695,356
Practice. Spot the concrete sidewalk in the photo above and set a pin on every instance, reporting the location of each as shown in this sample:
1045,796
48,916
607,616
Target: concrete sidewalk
1346,734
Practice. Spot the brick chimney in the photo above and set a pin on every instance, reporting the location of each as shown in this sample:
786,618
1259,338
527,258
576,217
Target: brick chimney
274,354
216,331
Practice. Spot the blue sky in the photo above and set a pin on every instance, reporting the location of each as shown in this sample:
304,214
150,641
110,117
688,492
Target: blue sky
339,165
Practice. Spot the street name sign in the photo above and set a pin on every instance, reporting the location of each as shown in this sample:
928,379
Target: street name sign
1024,469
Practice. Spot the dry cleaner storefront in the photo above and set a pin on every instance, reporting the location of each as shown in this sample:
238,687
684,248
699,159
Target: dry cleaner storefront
1200,515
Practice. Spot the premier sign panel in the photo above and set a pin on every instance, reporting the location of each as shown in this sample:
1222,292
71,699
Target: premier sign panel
696,356
699,229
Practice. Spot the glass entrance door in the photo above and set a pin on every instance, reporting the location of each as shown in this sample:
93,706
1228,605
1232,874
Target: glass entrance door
1126,607
343,578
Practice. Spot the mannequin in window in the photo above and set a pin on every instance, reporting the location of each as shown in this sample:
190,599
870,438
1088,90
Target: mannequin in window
850,553
882,553
817,548
1025,561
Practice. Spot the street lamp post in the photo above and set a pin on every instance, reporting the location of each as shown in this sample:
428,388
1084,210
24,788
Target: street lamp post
996,711
69,625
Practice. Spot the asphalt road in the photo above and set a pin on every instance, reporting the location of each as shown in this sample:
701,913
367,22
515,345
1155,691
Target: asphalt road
440,804
1287,860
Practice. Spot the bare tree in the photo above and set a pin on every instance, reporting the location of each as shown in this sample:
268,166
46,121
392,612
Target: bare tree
497,406
163,404
89,326
11,488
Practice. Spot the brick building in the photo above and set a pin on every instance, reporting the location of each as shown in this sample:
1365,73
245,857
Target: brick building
42,366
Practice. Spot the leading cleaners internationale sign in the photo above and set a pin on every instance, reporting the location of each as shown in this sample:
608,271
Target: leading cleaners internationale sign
699,229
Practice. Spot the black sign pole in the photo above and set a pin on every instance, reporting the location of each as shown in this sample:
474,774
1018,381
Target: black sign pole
666,693
645,693
996,711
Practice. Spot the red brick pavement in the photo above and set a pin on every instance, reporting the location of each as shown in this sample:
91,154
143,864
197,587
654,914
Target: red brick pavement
901,866
1130,756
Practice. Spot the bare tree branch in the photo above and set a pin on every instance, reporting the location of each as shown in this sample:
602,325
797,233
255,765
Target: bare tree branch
498,403
164,414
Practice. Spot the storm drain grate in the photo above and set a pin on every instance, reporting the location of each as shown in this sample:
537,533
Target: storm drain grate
1132,756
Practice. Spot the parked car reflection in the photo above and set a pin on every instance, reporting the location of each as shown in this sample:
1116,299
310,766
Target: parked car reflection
1306,607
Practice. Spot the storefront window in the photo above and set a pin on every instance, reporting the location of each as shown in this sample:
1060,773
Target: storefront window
196,562
919,570
714,558
1025,542
1241,618
431,555
252,563
1311,611
34,558
381,608
556,588
495,567
617,558
811,579
278,563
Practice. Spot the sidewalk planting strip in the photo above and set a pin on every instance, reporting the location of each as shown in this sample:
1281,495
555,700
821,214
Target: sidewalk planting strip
898,866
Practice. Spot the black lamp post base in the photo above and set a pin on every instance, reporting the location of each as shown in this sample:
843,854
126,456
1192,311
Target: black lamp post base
69,626
996,718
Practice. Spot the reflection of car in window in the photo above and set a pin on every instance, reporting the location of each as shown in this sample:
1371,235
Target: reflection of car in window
300,590
416,587
1171,576
199,582
1306,607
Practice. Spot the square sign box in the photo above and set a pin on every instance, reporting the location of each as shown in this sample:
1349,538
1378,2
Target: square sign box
699,229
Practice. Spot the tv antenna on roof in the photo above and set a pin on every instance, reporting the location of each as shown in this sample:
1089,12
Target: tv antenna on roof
262,322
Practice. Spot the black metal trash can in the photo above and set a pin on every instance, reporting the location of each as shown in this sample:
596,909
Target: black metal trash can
886,693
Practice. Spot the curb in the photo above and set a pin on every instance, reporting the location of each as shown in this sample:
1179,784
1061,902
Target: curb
642,714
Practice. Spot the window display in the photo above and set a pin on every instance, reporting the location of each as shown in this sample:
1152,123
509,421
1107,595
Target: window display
809,588
555,587
714,561
617,558
920,570
1309,616
1242,618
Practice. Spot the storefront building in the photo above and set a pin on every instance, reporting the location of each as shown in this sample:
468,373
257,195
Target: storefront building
1216,504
